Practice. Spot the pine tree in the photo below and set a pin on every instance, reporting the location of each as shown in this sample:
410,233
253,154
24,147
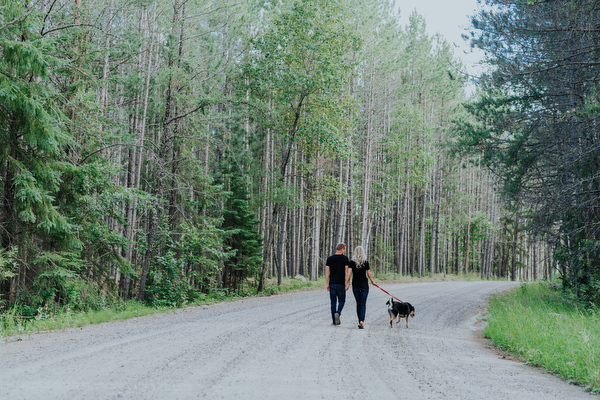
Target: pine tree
33,138
241,226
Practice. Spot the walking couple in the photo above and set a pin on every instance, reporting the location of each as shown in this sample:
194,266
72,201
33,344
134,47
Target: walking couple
338,270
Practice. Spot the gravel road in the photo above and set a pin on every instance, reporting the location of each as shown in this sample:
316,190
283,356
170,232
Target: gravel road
283,347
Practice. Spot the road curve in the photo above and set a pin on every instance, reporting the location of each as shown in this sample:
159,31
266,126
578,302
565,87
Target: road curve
282,347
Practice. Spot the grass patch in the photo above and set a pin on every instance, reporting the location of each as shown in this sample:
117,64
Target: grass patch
535,324
14,325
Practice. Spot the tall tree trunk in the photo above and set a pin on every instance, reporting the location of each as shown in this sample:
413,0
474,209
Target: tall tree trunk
105,63
281,244
534,255
365,220
422,234
341,204
267,212
316,227
136,154
434,245
513,266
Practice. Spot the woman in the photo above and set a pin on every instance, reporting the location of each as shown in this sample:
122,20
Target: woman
360,285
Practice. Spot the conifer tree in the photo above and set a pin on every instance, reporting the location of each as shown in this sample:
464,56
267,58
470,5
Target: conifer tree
241,227
33,138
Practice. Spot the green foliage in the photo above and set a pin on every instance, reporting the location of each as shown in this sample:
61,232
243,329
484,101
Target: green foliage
59,285
536,324
299,66
12,323
166,285
530,131
8,264
499,139
581,277
243,238
203,252
412,157
32,134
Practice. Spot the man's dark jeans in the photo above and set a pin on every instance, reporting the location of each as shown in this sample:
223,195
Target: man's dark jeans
337,294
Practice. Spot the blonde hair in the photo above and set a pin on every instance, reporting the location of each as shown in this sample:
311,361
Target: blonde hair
360,256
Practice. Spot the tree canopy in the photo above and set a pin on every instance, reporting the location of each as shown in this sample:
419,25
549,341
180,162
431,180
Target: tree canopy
169,150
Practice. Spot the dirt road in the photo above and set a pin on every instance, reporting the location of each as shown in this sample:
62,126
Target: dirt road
282,347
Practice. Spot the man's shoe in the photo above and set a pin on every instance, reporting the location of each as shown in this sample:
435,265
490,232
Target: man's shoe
336,317
361,325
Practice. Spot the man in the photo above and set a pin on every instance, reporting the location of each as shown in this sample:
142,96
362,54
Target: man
337,280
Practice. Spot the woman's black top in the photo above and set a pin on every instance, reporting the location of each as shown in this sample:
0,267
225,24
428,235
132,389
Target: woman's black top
359,275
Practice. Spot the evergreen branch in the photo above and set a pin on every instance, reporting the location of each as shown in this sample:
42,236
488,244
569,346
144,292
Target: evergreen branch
557,66
101,149
66,27
15,21
177,117
46,17
204,104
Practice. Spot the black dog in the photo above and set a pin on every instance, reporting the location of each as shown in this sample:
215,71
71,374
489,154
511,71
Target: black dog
400,310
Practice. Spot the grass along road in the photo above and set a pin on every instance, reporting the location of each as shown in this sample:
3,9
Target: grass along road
534,324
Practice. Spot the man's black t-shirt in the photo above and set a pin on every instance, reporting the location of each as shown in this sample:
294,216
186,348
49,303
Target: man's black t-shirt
359,275
337,268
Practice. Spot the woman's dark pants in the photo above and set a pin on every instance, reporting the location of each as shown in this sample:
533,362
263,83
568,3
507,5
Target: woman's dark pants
361,302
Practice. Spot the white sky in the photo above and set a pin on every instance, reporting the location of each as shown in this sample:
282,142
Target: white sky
449,18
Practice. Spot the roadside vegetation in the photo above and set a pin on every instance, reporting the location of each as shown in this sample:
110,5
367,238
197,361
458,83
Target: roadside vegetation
15,322
538,324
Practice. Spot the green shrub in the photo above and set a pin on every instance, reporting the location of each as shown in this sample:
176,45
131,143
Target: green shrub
166,285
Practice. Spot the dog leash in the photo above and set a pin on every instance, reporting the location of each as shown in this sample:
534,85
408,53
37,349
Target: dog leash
385,291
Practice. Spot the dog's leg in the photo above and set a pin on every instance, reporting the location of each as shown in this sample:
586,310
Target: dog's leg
392,318
407,321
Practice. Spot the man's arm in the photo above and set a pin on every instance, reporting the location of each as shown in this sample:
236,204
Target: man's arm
348,273
327,277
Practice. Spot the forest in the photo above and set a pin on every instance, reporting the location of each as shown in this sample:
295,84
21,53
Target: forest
164,150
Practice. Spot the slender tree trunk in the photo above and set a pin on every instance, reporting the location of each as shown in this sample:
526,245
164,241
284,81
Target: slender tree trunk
316,227
281,244
434,245
513,269
105,62
340,215
136,157
267,211
365,220
422,235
